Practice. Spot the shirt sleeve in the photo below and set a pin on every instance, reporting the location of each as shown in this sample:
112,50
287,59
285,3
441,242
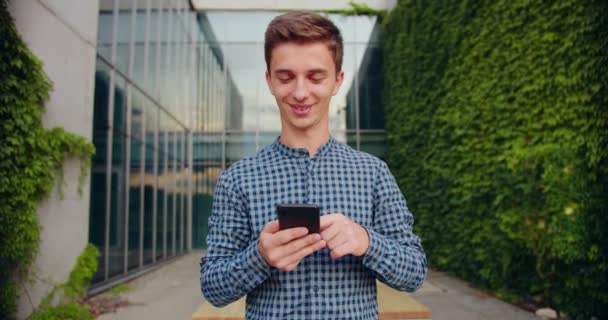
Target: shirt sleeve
233,265
395,254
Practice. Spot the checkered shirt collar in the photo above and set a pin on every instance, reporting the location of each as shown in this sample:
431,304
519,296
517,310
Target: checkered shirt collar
291,152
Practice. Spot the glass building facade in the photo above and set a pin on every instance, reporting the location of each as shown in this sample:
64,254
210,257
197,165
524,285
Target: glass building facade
179,96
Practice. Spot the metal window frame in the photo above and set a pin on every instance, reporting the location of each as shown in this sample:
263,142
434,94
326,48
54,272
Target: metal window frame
156,132
109,141
128,138
143,147
174,186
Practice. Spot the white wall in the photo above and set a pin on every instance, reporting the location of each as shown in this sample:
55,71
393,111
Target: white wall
62,34
288,4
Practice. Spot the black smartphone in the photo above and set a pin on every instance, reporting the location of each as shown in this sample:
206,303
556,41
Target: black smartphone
299,215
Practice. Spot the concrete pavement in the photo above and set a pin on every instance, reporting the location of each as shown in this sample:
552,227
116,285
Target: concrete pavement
453,299
172,292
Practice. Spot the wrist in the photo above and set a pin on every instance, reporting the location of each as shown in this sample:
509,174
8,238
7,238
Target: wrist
363,240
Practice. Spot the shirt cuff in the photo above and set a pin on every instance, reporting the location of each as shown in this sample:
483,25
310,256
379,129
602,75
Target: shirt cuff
373,258
254,267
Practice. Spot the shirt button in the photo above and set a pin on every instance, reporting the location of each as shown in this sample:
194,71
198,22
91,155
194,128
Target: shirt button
315,289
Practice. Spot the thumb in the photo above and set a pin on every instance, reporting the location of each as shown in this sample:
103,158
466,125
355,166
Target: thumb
271,227
328,219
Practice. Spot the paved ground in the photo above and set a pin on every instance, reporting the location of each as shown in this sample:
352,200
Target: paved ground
453,299
172,292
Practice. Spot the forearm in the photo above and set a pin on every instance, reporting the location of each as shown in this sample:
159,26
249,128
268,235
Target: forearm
399,264
225,279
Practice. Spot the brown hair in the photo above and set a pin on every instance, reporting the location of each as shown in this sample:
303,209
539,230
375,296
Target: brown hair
303,28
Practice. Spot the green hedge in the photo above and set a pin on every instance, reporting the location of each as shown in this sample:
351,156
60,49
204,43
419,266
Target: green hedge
31,158
497,124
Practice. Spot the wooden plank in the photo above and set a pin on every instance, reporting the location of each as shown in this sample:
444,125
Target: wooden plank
233,311
392,305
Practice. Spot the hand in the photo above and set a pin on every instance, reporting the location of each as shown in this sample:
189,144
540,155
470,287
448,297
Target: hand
343,236
286,248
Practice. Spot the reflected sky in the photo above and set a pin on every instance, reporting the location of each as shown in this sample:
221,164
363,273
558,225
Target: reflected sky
240,36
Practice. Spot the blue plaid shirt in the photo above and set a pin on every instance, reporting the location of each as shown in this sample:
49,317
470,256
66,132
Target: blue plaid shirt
338,179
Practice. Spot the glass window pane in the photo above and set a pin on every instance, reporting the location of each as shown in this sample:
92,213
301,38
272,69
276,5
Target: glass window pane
351,139
134,189
207,166
344,108
97,212
104,29
123,39
266,138
374,143
250,104
370,87
161,204
164,148
156,47
117,190
170,205
184,191
205,176
214,84
339,111
164,83
151,124
239,145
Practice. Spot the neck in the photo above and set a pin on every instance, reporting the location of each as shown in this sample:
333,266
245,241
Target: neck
308,140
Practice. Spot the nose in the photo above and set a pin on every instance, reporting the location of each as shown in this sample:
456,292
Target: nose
300,92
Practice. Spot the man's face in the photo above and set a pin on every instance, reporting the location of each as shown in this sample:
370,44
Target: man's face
302,78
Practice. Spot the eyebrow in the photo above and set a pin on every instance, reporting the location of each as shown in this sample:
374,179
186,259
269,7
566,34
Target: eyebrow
318,71
282,71
313,71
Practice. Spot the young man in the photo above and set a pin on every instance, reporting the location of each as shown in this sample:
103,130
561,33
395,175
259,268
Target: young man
366,228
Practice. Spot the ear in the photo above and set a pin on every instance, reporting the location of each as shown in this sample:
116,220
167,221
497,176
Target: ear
269,82
339,80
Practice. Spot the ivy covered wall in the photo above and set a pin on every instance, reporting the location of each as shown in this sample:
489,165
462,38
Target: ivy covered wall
497,123
31,159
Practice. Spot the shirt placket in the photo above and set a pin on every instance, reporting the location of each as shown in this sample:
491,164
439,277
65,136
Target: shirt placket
315,287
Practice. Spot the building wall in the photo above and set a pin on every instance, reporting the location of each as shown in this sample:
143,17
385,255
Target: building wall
288,4
62,34
159,85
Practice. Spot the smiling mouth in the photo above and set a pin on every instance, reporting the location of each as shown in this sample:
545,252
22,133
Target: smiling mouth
301,109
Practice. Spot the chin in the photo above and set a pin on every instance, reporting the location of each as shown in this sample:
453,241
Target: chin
302,126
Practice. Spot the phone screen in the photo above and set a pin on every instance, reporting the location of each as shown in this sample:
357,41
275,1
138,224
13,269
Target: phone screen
299,215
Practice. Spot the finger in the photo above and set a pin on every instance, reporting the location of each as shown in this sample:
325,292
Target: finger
329,219
302,253
291,267
340,239
298,244
271,227
285,236
279,254
330,233
276,255
341,251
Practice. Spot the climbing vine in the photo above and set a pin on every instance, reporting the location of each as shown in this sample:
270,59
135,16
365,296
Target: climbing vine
497,125
358,9
31,158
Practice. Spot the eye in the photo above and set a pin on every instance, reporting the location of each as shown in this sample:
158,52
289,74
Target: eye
317,79
285,79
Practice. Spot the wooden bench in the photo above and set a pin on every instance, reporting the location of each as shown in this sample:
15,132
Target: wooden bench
392,304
